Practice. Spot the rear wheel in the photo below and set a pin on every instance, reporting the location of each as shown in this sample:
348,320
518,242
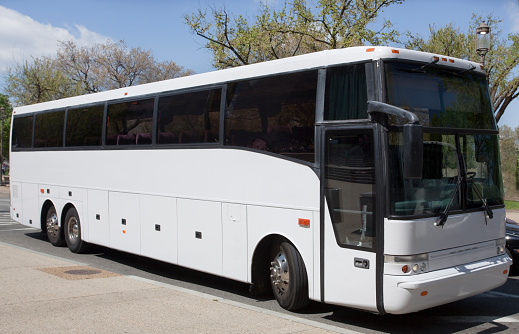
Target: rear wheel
53,229
73,232
288,277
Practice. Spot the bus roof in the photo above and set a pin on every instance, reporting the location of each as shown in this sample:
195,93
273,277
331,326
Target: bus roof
286,65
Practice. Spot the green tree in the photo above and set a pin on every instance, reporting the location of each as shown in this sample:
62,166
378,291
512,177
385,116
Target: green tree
509,163
501,62
37,81
297,28
82,70
6,111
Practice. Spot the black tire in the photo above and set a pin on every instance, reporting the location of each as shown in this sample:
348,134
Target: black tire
72,231
288,277
54,232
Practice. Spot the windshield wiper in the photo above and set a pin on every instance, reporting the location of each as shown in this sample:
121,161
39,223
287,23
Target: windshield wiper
445,214
420,69
470,69
483,200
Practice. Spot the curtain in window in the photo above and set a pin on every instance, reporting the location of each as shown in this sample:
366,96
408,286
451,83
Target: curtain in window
346,93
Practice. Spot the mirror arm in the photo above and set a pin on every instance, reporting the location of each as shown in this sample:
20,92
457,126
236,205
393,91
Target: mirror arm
375,106
413,137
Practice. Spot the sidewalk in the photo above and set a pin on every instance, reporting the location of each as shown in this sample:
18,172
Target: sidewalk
40,293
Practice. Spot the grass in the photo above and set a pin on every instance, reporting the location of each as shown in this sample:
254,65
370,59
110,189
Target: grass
512,205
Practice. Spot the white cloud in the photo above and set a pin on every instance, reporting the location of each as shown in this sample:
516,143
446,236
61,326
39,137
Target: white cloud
22,37
512,8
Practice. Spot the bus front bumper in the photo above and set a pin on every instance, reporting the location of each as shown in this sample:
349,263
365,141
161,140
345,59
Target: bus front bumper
405,294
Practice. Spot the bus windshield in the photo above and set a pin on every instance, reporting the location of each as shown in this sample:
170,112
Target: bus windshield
440,97
460,165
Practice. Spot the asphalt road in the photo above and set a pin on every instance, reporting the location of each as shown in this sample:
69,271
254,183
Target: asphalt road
491,312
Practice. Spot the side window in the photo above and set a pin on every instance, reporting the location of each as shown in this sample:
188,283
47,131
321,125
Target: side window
22,132
350,186
48,129
274,114
130,123
84,126
346,93
189,118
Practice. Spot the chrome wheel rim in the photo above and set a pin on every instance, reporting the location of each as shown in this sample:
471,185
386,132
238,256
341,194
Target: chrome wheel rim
52,225
73,230
279,273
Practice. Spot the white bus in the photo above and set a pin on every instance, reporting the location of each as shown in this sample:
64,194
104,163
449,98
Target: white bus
367,177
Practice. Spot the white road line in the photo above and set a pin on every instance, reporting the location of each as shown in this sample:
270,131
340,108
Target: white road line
20,229
496,294
478,319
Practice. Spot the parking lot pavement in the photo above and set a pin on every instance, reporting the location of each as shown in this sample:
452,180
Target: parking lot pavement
44,294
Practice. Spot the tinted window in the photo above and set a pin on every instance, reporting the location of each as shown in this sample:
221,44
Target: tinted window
350,186
48,129
84,126
440,96
130,123
346,93
189,118
275,114
22,132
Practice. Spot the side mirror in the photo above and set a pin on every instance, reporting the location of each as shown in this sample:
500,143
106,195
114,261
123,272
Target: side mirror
413,151
413,137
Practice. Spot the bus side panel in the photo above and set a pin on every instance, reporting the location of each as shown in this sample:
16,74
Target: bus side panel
98,220
234,224
264,221
16,201
125,223
200,235
159,237
30,210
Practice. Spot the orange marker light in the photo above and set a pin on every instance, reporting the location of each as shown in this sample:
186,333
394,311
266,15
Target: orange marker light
124,231
505,272
395,51
42,191
444,59
304,222
451,60
370,49
424,293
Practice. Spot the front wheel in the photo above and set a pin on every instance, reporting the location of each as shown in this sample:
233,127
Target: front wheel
73,232
53,229
288,277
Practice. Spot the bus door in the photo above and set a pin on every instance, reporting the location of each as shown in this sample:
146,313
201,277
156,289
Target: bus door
351,217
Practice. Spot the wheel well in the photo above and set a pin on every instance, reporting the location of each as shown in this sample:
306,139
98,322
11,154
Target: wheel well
65,210
43,219
260,272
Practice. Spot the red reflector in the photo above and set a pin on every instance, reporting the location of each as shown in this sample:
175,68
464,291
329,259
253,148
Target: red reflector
304,222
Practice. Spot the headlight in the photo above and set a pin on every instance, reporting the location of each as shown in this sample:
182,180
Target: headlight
500,246
408,264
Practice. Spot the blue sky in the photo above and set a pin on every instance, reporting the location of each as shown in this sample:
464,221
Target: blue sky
31,28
